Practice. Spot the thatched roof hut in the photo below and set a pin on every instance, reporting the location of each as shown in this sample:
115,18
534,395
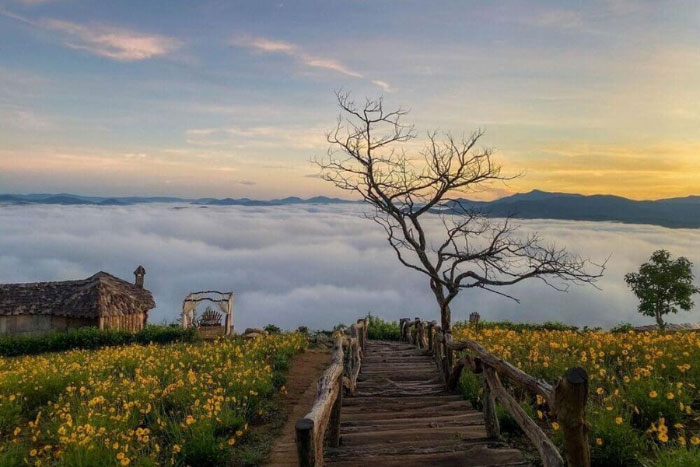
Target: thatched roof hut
101,300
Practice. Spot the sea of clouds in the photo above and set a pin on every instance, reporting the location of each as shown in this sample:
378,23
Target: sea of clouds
309,265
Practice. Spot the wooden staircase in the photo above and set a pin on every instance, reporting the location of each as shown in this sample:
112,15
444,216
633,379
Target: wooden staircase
403,415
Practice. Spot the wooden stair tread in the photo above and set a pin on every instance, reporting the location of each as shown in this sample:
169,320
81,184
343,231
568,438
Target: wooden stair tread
402,415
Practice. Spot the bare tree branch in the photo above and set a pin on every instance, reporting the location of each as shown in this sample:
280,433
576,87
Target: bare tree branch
367,156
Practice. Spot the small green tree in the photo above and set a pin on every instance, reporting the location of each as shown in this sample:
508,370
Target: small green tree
663,286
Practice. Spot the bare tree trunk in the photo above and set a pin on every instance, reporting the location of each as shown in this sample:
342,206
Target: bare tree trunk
444,304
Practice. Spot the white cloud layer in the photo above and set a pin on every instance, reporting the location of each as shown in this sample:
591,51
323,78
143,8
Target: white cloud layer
306,265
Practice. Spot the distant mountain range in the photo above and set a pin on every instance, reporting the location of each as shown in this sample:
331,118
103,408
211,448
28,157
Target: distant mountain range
70,199
672,212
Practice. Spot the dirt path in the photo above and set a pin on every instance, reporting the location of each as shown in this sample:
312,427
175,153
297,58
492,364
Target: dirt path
301,392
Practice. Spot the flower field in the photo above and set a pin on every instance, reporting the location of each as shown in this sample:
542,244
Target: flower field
177,404
643,402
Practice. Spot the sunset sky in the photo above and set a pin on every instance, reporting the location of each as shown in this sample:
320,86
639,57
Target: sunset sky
232,98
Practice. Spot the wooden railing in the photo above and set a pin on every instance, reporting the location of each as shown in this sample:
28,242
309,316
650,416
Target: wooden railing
566,399
323,421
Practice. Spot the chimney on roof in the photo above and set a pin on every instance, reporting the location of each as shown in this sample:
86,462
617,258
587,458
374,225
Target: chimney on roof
139,273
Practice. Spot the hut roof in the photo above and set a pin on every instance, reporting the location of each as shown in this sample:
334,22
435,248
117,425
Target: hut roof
98,295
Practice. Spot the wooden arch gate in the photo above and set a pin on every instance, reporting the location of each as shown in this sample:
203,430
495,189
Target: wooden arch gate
223,300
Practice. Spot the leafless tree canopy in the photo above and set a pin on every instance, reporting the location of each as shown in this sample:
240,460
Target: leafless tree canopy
368,156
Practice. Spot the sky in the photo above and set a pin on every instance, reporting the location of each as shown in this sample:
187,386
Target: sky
232,98
329,265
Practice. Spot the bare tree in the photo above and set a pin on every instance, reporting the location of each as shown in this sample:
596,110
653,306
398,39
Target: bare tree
470,250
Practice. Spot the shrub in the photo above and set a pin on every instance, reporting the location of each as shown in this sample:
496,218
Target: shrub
519,327
90,338
272,329
622,327
382,330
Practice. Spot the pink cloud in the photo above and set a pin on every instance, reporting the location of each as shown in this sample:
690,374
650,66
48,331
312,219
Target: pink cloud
112,42
271,46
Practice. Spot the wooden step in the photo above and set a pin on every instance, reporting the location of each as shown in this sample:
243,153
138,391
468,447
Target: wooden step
479,456
460,419
402,415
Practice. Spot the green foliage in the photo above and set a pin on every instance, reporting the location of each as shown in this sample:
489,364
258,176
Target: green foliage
382,330
546,326
303,330
676,457
622,327
90,338
663,285
272,329
471,388
507,423
613,444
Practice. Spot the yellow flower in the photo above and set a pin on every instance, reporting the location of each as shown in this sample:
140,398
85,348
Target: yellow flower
189,420
176,448
32,453
653,394
555,426
618,420
599,441
231,441
663,437
670,395
120,455
125,461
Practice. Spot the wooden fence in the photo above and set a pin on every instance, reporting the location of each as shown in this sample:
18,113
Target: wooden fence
323,421
566,399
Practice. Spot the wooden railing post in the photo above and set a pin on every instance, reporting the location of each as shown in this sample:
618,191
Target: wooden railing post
449,354
547,450
403,324
493,428
306,451
431,340
334,422
570,395
420,334
361,335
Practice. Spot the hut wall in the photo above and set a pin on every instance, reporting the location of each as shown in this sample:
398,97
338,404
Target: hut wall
133,322
37,325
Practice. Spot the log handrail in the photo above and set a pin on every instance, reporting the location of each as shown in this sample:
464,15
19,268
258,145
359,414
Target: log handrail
340,376
566,398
